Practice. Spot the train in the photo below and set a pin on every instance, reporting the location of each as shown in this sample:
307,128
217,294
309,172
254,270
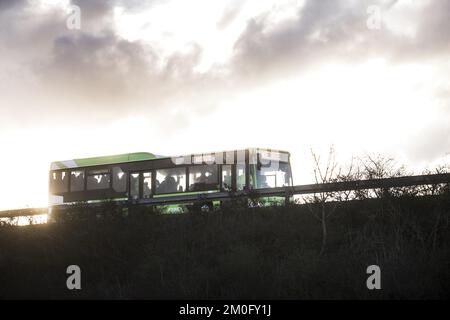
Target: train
140,178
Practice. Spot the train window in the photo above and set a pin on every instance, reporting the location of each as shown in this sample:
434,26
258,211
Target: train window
279,176
218,157
252,176
229,157
252,156
119,183
147,190
170,180
59,181
203,177
267,155
134,185
209,158
285,173
99,179
240,157
226,177
240,176
76,181
181,160
197,159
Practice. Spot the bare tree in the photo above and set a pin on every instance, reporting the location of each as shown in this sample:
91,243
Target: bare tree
435,189
379,167
317,202
350,173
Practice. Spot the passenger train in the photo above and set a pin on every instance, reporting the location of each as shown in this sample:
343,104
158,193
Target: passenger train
137,177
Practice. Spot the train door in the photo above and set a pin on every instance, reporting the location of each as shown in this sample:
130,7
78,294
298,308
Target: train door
140,185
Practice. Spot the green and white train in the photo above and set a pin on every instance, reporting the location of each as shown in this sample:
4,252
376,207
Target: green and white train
139,177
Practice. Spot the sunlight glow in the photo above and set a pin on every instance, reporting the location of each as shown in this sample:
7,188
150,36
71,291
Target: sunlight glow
25,220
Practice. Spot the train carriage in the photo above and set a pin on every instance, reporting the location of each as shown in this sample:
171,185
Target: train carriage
139,177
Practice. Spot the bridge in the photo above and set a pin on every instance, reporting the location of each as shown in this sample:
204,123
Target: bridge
384,183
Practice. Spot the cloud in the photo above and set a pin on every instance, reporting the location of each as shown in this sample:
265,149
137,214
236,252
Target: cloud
336,31
10,4
230,13
93,73
433,38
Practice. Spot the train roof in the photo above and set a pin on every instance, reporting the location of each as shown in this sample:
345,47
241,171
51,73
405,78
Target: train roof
95,161
115,159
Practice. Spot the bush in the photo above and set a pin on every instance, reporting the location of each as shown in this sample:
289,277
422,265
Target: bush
253,253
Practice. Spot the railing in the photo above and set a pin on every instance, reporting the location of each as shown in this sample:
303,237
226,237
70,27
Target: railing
385,183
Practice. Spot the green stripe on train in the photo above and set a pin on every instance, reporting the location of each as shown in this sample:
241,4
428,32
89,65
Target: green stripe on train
95,161
120,158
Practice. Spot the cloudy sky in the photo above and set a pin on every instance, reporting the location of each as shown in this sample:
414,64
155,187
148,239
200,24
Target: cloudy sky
175,76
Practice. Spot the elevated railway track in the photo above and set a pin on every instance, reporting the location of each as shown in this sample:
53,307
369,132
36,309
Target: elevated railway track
385,183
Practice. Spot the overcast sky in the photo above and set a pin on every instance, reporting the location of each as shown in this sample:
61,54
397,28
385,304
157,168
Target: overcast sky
174,77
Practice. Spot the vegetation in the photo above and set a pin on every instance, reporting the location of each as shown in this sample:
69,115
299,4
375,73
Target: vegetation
318,248
238,253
